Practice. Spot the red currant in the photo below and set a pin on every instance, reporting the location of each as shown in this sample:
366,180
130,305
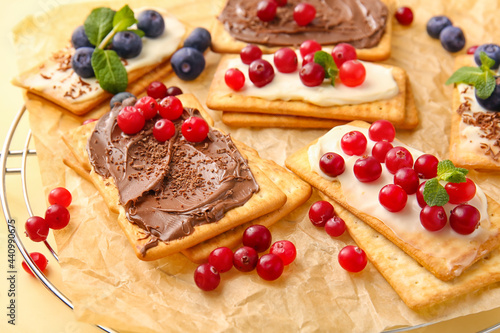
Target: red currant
234,79
408,179
285,250
57,216
307,59
397,158
304,13
393,198
309,46
157,90
352,259
433,218
335,226
320,212
332,164
245,259
40,262
426,166
266,10
195,129
312,74
420,195
61,196
352,73
171,108
353,143
367,169
343,52
130,120
380,149
258,237
148,106
221,258
464,219
88,121
174,91
260,72
461,192
206,277
270,267
382,130
281,3
250,53
404,15
164,130
36,228
285,60
472,49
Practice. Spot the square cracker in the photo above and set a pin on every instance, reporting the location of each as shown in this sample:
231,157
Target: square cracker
242,119
267,199
464,157
417,287
296,190
223,42
415,245
222,98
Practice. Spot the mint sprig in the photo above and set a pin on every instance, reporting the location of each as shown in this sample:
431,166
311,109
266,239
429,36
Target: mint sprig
434,193
482,78
100,27
326,61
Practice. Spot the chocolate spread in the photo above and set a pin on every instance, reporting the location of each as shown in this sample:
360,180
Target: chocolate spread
169,188
358,22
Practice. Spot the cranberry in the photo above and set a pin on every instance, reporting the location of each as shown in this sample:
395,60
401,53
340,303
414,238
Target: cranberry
270,267
245,259
171,108
130,120
57,216
148,106
260,72
221,258
352,259
307,59
343,52
408,179
335,226
250,53
281,3
393,198
464,219
309,46
320,212
174,91
304,13
258,237
206,277
380,149
195,129
382,130
36,228
420,195
61,196
332,164
312,74
353,143
352,73
163,130
40,262
472,49
285,250
404,15
397,158
426,166
367,169
433,218
461,192
285,60
157,90
266,10
234,79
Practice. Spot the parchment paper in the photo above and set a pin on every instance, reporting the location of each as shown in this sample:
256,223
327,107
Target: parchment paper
108,285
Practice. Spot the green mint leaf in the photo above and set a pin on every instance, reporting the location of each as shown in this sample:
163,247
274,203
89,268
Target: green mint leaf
463,171
109,70
98,24
326,61
485,86
445,166
138,32
123,19
468,75
332,73
486,62
434,193
453,177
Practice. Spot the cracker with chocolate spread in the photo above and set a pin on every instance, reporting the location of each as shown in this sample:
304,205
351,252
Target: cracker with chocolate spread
238,25
417,242
173,195
474,136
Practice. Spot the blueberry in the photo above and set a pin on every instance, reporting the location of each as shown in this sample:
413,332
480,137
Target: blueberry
127,44
492,103
200,39
81,62
151,22
492,51
436,24
452,39
120,97
188,63
79,38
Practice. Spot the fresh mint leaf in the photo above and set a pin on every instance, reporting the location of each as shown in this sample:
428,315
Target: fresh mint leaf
445,166
325,60
98,24
109,70
434,193
486,62
453,177
123,19
468,75
485,87
463,171
138,32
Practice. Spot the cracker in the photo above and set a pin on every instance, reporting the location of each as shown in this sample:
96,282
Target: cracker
223,42
222,98
296,190
416,245
416,286
467,158
267,199
241,119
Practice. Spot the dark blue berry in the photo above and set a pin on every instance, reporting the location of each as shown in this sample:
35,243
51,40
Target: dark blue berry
188,63
452,39
79,38
492,51
200,39
491,103
151,22
127,44
120,97
436,24
81,62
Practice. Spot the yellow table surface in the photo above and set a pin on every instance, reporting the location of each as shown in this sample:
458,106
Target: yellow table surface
37,309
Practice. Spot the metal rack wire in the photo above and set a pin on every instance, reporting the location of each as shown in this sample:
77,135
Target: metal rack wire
25,152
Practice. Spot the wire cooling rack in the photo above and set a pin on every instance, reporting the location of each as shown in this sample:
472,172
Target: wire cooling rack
25,153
